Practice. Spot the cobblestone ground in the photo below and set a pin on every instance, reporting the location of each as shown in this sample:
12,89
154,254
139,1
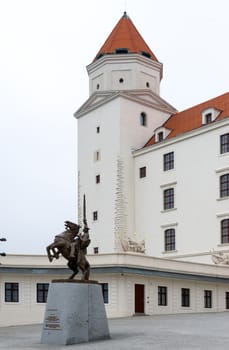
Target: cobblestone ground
192,331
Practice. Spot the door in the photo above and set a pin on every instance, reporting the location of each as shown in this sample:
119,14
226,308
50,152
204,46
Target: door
139,290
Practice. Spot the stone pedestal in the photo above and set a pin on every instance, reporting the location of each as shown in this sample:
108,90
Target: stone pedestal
75,313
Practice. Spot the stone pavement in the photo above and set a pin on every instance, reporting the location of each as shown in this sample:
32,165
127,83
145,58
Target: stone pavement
164,332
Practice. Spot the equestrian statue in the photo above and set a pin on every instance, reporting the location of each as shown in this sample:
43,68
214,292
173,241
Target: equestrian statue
72,245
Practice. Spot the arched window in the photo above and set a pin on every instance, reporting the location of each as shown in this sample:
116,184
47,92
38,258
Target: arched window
224,186
143,119
225,231
170,239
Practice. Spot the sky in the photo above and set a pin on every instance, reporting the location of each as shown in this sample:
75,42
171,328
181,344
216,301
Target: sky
45,46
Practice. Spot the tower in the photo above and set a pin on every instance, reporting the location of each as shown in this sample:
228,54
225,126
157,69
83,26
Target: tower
123,109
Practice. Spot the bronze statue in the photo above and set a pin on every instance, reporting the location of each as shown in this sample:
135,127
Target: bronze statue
73,246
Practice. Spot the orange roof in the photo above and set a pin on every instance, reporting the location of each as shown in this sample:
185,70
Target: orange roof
191,118
125,36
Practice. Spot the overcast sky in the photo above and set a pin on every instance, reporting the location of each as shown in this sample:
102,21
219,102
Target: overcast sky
45,46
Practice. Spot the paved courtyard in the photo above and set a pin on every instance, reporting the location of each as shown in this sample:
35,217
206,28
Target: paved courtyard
198,331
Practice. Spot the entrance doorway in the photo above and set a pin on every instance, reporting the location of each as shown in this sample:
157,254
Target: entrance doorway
139,290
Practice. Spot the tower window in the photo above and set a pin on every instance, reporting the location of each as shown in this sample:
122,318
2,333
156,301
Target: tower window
95,215
97,156
96,250
98,129
142,172
121,51
121,80
143,119
97,86
147,84
146,54
97,179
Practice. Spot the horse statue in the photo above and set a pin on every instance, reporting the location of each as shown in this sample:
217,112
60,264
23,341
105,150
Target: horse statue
72,245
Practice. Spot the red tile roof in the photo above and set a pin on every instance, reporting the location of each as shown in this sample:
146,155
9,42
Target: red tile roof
191,118
125,36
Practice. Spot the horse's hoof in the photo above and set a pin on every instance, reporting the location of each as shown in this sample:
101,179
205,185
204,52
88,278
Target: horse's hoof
50,258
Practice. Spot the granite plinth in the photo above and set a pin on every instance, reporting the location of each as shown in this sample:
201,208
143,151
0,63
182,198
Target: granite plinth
75,313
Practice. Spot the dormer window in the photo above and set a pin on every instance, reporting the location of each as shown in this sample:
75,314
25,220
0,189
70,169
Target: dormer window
209,115
208,118
161,133
160,136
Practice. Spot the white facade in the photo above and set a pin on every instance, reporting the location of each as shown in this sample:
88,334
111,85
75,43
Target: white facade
123,112
123,274
198,208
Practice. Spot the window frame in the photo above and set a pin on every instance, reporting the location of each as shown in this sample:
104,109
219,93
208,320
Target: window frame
224,143
142,172
207,299
42,293
168,198
224,231
105,292
226,300
170,239
168,161
11,292
162,296
95,215
224,185
185,297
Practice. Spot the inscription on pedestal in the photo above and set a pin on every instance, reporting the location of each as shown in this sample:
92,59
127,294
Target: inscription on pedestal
52,320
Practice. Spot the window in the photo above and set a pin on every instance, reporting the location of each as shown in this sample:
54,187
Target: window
225,231
185,297
168,161
42,292
143,119
226,300
170,238
162,296
169,198
97,86
224,185
96,250
160,136
208,299
224,143
121,51
142,172
11,292
105,292
97,179
96,156
208,118
147,84
98,129
121,80
95,215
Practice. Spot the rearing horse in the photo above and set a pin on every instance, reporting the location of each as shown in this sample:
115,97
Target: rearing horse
72,246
